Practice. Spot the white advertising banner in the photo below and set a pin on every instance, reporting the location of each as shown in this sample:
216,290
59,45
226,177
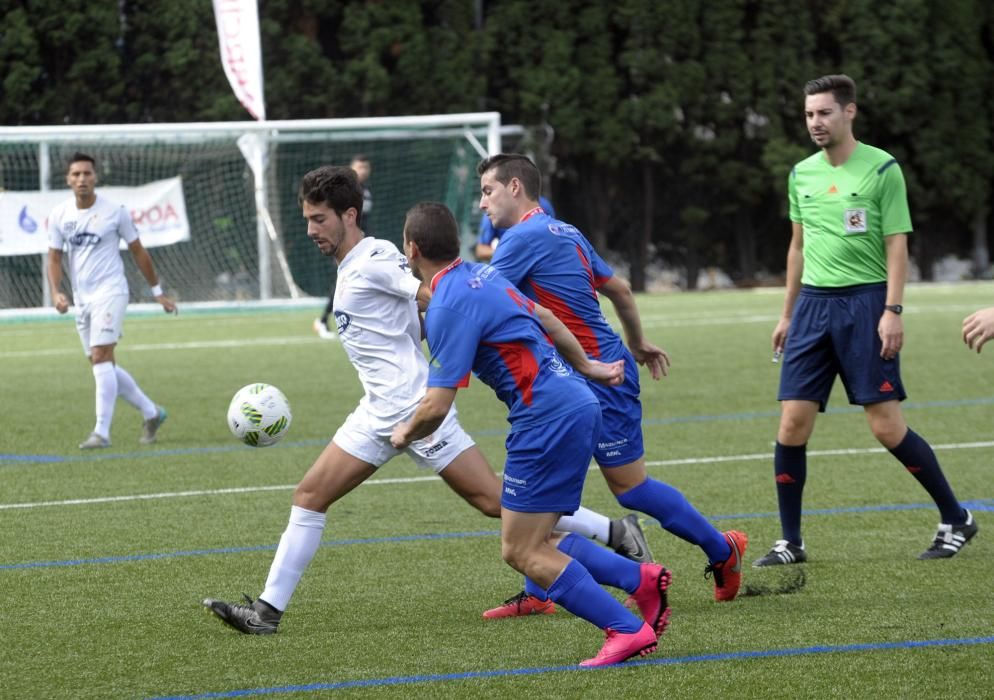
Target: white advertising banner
241,53
157,208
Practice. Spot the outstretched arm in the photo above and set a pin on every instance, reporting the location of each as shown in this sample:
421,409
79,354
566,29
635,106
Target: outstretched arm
60,300
423,297
483,252
144,262
612,373
891,325
645,353
426,419
978,328
795,267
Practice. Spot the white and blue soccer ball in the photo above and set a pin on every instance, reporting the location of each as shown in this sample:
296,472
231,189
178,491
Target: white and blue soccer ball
259,415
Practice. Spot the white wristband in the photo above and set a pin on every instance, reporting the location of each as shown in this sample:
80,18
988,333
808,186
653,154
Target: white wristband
157,290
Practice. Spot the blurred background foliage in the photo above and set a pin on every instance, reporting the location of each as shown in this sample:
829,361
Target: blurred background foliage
666,128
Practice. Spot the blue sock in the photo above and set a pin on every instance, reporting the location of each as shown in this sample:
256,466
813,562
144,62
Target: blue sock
918,458
790,468
532,588
607,567
576,590
674,512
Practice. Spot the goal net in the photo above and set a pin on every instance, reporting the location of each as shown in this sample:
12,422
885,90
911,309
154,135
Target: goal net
246,239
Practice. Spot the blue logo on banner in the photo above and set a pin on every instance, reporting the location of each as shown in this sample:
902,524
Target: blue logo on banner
27,224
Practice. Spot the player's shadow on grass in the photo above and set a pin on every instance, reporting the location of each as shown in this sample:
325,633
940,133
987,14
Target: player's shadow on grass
791,581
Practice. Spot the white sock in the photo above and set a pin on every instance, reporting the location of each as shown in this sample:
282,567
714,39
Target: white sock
297,547
588,524
129,390
106,379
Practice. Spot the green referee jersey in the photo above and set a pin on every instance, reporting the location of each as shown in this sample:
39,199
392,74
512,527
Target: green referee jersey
846,212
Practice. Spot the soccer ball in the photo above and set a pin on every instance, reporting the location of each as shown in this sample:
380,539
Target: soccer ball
259,415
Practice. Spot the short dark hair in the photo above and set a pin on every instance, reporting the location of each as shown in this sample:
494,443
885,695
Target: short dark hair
335,186
79,156
842,87
511,165
433,227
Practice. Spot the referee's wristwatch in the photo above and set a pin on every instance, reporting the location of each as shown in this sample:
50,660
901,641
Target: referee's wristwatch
894,308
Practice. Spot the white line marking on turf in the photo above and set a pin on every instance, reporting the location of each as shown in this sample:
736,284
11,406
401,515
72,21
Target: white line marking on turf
191,345
811,453
187,494
649,320
434,478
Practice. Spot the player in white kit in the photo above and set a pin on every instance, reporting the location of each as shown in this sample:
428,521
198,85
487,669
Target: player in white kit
376,310
90,227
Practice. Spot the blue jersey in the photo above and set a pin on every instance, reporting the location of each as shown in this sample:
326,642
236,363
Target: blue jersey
478,321
488,233
555,265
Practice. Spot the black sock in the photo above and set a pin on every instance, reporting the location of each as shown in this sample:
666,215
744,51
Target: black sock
790,468
918,458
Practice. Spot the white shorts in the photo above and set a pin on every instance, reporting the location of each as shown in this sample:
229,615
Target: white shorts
369,441
101,322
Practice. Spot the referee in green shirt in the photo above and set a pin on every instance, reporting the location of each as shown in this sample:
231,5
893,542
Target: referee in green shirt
846,267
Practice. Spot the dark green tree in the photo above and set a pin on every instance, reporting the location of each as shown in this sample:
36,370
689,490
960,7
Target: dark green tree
173,67
953,147
553,64
921,70
20,66
303,60
781,59
61,63
664,126
355,59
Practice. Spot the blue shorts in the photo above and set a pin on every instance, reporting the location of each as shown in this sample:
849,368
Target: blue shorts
834,333
547,464
620,439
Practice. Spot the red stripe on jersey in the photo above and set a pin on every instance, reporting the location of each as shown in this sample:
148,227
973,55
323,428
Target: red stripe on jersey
586,266
533,212
464,382
443,272
522,366
575,324
595,281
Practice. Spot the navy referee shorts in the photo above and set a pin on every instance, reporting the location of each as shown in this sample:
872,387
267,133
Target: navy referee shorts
834,333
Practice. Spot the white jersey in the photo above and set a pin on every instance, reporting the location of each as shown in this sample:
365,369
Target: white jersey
92,238
379,326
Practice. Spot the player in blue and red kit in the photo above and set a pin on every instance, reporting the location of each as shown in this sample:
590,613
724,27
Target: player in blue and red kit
489,238
479,322
554,264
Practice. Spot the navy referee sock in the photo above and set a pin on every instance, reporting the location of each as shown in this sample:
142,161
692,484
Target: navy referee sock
790,469
918,458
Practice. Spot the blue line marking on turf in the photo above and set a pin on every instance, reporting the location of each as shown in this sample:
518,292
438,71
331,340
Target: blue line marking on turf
237,550
488,432
144,454
975,505
984,504
31,458
670,661
136,557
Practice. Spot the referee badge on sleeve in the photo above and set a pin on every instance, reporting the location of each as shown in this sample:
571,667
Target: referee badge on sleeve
855,220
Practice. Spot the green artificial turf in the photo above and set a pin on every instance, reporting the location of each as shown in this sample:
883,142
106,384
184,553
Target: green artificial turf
102,589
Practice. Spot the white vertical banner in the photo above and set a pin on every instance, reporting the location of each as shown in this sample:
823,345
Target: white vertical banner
241,54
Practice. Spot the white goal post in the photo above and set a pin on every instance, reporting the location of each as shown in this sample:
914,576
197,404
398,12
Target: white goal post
238,190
